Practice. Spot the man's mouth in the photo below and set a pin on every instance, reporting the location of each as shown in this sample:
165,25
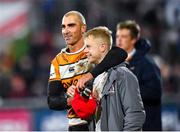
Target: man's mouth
119,45
68,37
89,56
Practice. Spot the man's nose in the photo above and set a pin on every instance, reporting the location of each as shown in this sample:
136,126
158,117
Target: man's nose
118,40
65,30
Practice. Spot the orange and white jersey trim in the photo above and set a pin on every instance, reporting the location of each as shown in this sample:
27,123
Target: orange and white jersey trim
68,68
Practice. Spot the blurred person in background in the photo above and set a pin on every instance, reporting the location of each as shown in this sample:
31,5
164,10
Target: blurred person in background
18,87
117,89
143,66
70,64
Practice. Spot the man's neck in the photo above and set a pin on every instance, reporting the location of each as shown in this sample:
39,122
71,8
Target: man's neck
77,46
130,54
102,57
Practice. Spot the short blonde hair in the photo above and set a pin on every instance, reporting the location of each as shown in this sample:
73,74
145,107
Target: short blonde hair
78,14
101,32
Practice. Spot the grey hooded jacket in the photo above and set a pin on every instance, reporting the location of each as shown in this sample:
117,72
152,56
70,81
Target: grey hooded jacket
122,106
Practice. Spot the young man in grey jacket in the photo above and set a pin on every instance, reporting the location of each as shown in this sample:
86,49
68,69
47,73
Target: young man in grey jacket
117,90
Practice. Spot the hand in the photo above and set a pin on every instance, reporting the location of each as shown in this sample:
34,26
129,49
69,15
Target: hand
83,80
95,95
69,100
71,91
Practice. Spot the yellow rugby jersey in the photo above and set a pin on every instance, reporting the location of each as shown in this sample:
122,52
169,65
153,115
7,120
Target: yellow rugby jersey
68,68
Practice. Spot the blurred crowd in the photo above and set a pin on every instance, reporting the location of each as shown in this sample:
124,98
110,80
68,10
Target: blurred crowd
24,66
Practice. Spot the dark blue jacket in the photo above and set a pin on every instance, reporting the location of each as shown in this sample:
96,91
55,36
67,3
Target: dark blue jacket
149,77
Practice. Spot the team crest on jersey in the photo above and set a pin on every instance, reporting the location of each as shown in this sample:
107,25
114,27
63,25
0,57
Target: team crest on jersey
81,66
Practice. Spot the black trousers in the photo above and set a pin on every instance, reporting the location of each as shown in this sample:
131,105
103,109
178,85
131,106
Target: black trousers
83,127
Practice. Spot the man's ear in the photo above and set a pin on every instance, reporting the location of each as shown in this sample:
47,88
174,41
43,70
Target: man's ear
134,41
103,47
83,29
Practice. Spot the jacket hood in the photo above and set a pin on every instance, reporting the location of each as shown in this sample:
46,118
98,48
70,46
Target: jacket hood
142,46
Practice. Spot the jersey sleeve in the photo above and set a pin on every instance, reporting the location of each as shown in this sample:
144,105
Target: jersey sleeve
56,96
54,70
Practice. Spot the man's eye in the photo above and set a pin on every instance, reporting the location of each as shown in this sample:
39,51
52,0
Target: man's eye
62,26
71,25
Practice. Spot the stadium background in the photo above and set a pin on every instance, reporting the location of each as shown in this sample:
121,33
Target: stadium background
30,36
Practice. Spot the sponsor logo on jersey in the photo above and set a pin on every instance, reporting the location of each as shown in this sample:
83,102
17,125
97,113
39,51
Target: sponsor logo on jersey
71,70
